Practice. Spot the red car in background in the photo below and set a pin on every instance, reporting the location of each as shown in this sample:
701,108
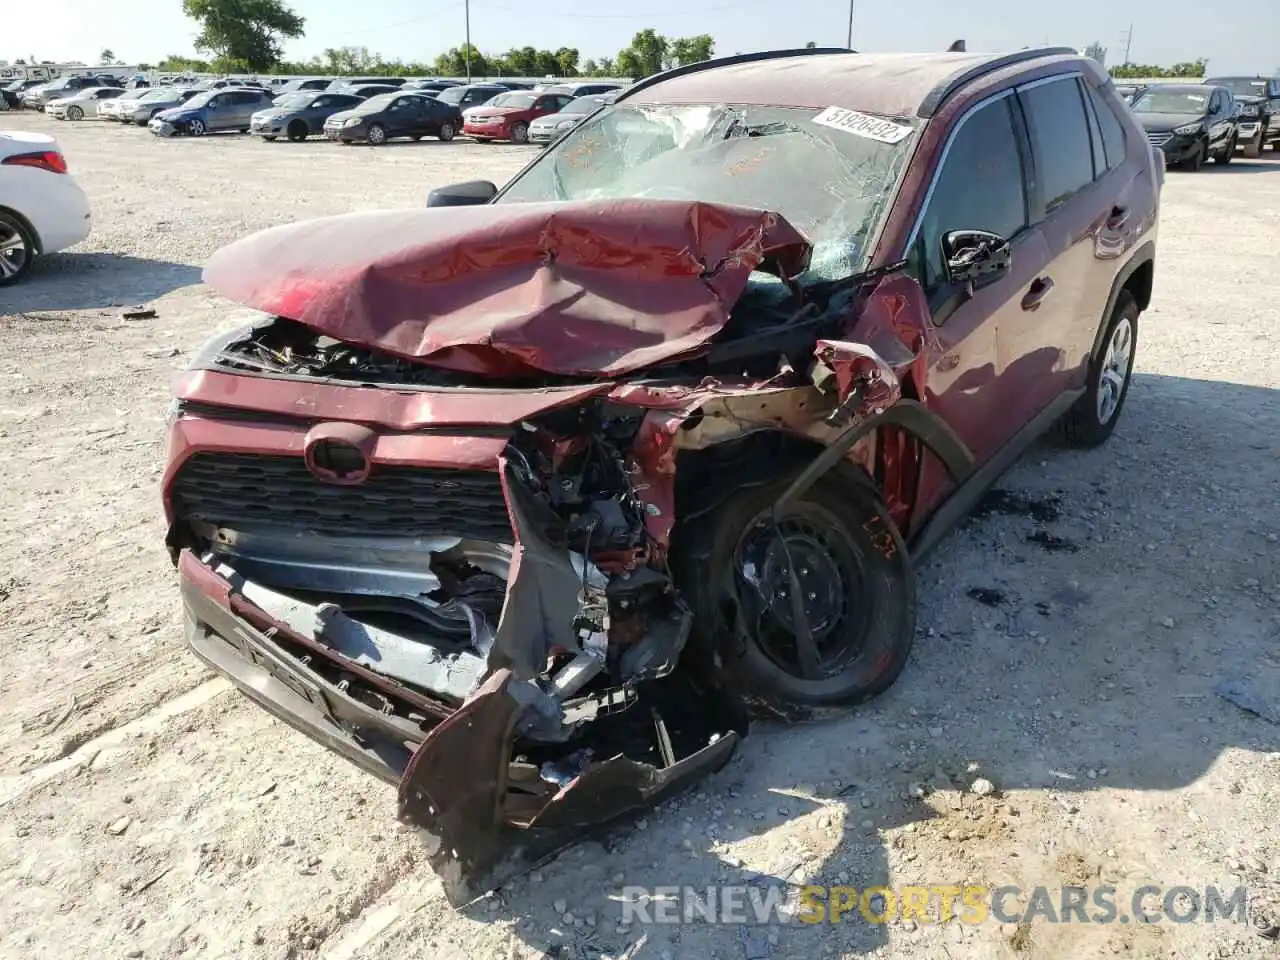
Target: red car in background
508,115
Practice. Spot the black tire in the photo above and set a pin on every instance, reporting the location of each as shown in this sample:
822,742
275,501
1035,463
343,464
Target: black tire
1194,162
377,135
75,113
1225,157
1253,149
447,132
14,269
519,132
297,131
268,138
415,137
482,139
1084,425
840,531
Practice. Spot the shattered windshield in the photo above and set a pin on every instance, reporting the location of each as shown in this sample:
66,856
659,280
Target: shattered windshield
833,182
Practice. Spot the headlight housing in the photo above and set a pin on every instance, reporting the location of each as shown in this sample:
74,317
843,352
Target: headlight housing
565,124
1189,129
352,122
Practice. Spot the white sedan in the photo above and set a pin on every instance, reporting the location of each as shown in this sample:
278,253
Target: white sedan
83,103
42,209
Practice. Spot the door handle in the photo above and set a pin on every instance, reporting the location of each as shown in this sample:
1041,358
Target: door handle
1038,290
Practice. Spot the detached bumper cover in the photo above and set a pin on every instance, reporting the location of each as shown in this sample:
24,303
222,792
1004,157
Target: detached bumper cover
454,778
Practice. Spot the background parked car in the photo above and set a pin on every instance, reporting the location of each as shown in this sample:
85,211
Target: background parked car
298,86
85,103
430,86
1128,92
340,84
366,90
1189,122
545,129
211,112
14,92
508,115
154,102
382,118
298,115
470,94
583,89
110,109
1259,118
37,97
42,209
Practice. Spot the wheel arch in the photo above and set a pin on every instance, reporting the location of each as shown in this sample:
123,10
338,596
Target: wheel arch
27,225
1136,277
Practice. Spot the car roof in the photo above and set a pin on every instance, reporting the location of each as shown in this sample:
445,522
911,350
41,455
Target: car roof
890,84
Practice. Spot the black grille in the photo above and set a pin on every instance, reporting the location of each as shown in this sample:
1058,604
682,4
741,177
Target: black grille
240,490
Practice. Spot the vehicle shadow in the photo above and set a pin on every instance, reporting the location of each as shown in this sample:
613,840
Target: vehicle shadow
1070,639
88,281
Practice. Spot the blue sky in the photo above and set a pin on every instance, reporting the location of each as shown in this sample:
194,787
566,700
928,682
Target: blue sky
1237,37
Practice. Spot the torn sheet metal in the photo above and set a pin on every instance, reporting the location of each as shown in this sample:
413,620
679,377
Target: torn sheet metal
456,788
580,288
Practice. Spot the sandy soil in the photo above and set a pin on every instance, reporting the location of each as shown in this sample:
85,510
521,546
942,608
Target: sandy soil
1070,642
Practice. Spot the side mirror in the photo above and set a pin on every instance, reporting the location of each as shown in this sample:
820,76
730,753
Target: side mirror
975,257
469,194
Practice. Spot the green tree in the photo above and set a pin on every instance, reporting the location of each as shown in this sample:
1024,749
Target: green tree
811,45
683,51
453,63
567,61
590,68
646,54
107,56
606,67
244,33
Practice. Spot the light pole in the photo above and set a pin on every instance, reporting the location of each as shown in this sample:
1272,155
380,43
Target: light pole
466,50
849,44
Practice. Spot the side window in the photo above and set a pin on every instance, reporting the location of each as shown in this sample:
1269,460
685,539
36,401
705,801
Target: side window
980,186
1059,139
1113,141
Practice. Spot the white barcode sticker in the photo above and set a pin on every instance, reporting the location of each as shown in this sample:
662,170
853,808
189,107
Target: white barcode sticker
862,125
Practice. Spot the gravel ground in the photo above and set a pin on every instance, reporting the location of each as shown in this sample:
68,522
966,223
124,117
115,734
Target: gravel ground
1071,639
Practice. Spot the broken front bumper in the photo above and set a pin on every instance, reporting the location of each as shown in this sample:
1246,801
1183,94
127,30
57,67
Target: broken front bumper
488,809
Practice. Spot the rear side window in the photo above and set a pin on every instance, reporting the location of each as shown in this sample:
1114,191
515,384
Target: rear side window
980,186
1113,142
1059,139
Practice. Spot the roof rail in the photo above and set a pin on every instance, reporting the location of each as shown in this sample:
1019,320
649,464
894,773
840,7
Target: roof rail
939,95
727,62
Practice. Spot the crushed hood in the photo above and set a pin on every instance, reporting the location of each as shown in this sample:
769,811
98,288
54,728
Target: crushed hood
579,288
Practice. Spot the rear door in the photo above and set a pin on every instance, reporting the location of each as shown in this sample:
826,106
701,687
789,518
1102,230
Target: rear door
1080,199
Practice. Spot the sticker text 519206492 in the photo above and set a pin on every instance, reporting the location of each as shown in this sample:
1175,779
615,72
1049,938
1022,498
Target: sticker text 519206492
862,125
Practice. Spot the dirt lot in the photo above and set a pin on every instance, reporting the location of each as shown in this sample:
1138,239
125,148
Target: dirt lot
1070,642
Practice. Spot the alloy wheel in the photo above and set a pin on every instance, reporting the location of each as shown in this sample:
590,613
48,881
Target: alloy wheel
1115,370
14,253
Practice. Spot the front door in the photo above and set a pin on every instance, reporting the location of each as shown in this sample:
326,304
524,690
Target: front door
985,368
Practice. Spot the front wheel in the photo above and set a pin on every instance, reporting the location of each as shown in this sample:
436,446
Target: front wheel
520,132
377,135
297,131
844,636
447,132
1093,417
196,128
75,113
1194,162
1225,157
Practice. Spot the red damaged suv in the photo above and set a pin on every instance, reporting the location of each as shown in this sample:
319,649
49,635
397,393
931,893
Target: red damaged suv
525,501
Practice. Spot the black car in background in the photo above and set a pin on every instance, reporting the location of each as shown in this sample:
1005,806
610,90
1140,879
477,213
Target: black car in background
1259,102
366,90
471,94
12,92
429,86
341,84
1129,91
305,85
391,115
298,115
1190,123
